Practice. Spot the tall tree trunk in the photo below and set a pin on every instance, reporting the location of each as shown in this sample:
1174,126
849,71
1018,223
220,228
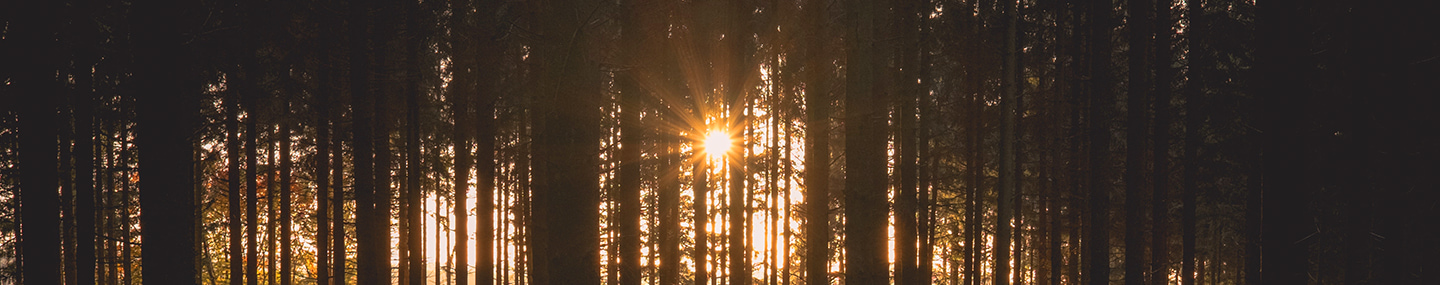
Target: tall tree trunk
865,178
272,191
419,38
337,201
362,140
569,139
634,37
906,230
462,89
232,151
487,90
1139,87
321,158
1102,99
1198,66
385,35
1160,208
39,239
286,271
485,169
738,90
1009,178
817,146
81,241
252,247
166,119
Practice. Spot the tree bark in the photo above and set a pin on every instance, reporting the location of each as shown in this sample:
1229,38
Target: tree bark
1101,102
232,151
569,137
286,270
1140,32
817,146
865,177
39,240
1009,178
1198,66
165,120
1164,83
907,265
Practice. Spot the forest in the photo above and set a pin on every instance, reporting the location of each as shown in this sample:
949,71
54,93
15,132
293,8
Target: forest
765,142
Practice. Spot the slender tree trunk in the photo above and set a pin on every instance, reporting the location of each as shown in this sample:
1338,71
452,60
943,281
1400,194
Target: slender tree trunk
252,214
84,214
272,192
817,147
634,37
865,178
487,90
460,93
569,138
1101,99
1160,208
362,140
232,151
907,265
286,271
321,158
738,89
337,201
166,119
39,237
419,38
1009,177
81,240
485,174
1139,89
385,31
1198,66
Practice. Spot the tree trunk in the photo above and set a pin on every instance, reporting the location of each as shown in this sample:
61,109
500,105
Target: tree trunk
634,37
1009,178
165,120
569,139
1140,33
461,90
362,140
1198,66
1160,208
232,151
321,158
39,179
738,89
1102,99
419,38
252,247
907,265
286,271
865,177
817,146
337,200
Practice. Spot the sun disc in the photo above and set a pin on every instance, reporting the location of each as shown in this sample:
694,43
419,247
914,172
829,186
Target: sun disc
717,143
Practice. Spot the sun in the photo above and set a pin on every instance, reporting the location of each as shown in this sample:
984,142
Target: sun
717,143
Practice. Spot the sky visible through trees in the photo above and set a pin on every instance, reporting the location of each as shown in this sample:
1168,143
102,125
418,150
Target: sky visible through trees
765,142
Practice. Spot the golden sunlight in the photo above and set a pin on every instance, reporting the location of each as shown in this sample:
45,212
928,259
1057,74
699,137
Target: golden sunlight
717,143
